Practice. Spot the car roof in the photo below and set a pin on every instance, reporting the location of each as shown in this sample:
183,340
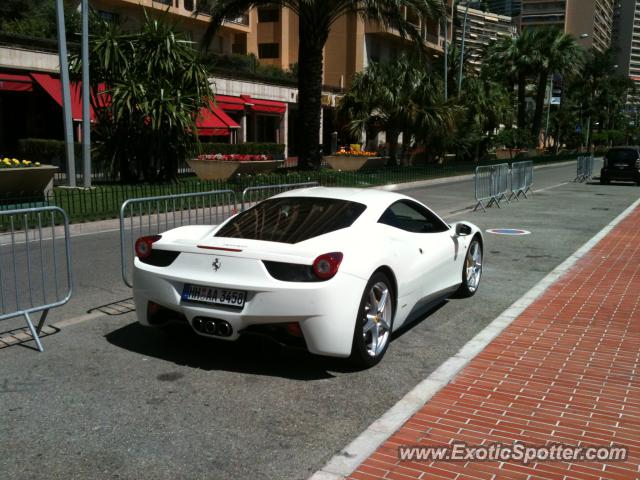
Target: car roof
626,147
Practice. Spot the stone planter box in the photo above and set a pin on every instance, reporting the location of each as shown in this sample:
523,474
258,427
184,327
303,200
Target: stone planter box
505,154
351,164
225,169
26,182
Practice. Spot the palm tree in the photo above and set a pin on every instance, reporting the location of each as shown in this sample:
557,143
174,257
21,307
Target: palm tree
510,61
398,97
557,53
156,87
315,20
488,106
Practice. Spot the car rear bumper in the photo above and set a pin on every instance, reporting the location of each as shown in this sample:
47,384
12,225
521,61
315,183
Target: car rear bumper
325,311
630,175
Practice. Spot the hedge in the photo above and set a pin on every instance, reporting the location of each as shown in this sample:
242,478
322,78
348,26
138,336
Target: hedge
45,150
243,148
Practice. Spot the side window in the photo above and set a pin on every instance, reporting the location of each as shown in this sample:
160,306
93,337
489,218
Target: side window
412,217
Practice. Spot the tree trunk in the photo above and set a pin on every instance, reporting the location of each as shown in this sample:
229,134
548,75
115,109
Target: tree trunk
522,102
310,63
392,139
537,116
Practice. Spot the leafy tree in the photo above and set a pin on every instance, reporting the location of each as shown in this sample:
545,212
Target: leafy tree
511,62
315,19
600,92
398,97
487,106
557,53
147,89
35,18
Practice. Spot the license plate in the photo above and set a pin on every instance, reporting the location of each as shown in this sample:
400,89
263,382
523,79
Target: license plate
213,295
621,165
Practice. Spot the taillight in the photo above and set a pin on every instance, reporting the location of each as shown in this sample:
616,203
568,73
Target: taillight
326,266
144,245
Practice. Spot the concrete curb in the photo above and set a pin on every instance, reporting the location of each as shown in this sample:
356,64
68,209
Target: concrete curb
350,457
113,225
458,178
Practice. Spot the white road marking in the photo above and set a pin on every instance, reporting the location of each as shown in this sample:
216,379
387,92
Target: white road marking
469,208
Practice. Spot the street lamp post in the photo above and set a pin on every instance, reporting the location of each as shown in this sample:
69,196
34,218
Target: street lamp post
546,129
86,111
446,54
66,94
464,35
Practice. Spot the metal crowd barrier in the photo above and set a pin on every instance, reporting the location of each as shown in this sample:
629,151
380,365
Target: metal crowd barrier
153,215
253,195
584,170
521,179
35,264
491,185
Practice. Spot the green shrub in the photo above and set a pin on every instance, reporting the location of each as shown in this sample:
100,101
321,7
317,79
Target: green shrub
45,150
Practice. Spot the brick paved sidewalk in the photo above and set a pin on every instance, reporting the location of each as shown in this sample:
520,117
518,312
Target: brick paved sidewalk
565,371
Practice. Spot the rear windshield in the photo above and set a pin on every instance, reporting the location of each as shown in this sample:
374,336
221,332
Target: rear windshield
623,156
292,219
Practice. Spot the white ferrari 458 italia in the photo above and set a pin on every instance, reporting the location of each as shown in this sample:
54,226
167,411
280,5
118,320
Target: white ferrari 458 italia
332,270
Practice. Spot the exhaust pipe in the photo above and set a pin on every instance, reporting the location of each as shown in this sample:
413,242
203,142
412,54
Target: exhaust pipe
224,329
210,327
198,324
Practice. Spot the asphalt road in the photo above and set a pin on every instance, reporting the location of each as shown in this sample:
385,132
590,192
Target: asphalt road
96,256
109,399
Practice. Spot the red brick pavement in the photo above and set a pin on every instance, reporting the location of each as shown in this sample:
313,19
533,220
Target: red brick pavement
565,371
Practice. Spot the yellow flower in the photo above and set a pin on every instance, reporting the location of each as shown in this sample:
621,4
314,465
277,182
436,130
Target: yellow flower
26,162
16,161
37,164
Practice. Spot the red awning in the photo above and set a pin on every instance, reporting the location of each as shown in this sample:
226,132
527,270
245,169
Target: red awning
15,83
226,102
265,106
214,122
53,86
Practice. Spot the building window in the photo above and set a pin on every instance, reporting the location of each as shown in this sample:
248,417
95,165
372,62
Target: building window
268,15
188,5
109,16
239,45
269,50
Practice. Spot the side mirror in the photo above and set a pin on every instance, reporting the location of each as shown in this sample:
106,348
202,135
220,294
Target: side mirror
462,230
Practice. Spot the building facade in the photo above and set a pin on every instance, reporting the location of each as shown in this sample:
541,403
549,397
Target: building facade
249,110
482,28
589,21
627,39
509,8
271,34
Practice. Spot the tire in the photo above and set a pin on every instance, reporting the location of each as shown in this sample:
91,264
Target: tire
366,351
471,270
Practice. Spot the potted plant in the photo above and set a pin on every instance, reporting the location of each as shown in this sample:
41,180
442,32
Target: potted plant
25,179
353,159
222,167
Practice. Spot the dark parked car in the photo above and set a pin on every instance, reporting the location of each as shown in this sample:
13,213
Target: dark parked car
621,163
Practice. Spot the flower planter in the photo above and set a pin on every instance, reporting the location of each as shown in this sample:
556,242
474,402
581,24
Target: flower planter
225,169
353,163
26,182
